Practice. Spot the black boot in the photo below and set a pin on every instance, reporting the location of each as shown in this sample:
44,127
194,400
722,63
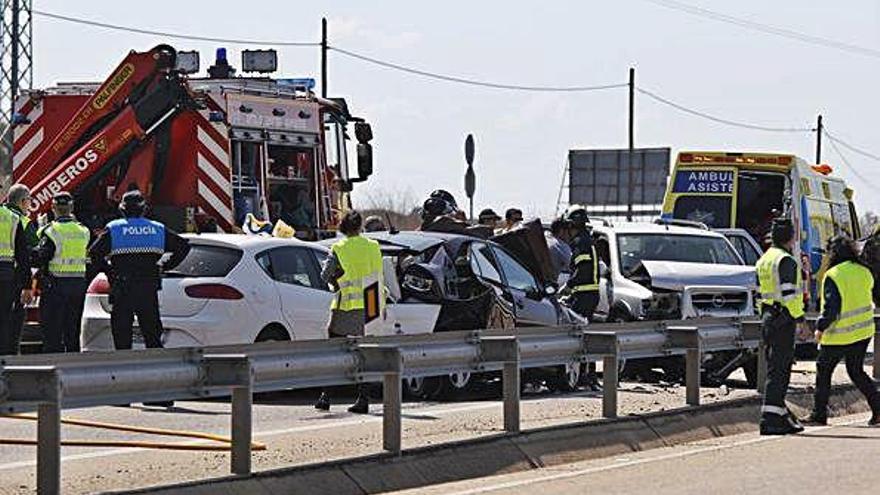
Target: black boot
815,419
323,402
360,406
774,424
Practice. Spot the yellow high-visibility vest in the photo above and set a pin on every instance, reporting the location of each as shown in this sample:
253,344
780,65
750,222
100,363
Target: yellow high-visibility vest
71,241
771,287
856,320
8,227
361,261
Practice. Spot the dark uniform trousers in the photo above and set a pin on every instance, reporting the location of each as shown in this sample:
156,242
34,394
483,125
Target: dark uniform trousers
584,303
10,333
778,333
61,308
854,356
135,298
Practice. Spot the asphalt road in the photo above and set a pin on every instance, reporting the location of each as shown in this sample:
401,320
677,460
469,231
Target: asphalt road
296,434
841,458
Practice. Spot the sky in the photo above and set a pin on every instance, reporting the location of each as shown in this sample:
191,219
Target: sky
522,138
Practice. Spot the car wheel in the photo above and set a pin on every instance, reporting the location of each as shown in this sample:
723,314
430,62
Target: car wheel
273,333
422,387
566,378
456,384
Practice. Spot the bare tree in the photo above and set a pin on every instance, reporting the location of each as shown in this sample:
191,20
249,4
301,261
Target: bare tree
868,222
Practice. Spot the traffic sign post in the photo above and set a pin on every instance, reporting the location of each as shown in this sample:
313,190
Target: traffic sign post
470,178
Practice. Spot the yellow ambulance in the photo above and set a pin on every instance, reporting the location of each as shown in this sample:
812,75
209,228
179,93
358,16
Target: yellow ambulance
747,190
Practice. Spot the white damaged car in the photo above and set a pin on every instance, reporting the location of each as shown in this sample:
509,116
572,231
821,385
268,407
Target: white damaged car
238,289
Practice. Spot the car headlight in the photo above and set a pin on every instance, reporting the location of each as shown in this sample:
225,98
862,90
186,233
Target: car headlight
418,283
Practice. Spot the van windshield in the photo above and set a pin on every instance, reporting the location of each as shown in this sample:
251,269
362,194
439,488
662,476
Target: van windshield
635,248
713,211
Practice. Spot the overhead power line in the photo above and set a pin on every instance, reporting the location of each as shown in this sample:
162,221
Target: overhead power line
834,142
854,149
766,28
165,34
720,120
473,82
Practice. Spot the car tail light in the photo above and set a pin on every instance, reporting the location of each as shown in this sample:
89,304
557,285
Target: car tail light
213,291
99,285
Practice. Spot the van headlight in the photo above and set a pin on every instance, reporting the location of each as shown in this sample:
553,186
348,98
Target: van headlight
662,305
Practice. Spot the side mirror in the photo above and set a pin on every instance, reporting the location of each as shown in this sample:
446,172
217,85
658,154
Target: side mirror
364,160
463,267
363,132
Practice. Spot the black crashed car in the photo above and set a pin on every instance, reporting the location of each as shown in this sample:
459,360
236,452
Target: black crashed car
479,283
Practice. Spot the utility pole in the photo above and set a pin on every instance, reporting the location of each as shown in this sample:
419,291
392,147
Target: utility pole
819,130
323,57
16,52
631,172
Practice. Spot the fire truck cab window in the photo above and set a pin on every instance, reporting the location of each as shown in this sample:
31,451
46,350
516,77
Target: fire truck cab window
246,166
291,184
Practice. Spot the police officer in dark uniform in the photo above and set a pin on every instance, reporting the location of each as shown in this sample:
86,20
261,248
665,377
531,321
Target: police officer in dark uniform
15,276
584,280
782,311
17,201
61,256
128,251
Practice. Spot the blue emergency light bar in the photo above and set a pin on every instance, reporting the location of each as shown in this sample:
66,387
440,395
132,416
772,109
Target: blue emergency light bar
298,82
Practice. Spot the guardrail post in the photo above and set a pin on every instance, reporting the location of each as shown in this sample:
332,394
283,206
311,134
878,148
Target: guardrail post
505,349
692,367
609,386
688,338
876,366
235,370
42,385
387,361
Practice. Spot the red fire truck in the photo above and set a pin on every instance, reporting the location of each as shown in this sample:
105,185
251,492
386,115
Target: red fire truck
206,151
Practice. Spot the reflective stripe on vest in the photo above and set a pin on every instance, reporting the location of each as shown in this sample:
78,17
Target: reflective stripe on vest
8,227
581,258
71,241
136,236
856,320
770,286
361,262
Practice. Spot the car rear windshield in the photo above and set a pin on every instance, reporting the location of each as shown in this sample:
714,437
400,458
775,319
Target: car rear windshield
634,248
207,261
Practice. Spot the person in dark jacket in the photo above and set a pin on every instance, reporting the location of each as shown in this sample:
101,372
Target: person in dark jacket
17,201
15,270
61,259
782,312
128,251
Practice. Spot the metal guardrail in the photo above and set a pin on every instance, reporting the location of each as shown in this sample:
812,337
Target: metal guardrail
49,383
